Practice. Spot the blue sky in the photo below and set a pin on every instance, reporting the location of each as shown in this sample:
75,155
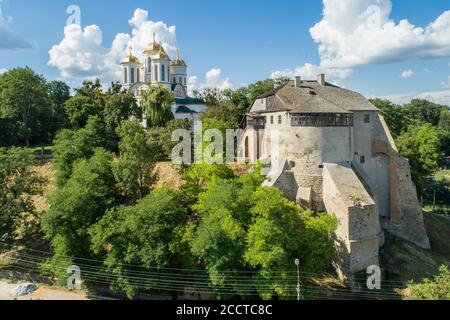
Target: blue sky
247,40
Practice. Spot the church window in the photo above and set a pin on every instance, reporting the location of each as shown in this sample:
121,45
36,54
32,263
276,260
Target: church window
179,80
174,80
367,118
138,75
271,119
362,159
279,119
125,75
156,73
163,73
149,65
132,76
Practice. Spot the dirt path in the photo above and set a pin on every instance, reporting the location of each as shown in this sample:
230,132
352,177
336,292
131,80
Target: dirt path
42,293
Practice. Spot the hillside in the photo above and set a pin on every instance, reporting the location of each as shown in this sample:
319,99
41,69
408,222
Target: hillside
402,261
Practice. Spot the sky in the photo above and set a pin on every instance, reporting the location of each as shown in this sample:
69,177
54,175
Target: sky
394,49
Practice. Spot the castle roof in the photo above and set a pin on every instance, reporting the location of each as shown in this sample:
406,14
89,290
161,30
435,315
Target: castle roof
313,97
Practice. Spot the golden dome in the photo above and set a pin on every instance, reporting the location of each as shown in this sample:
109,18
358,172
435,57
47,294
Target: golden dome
178,62
154,47
130,58
160,55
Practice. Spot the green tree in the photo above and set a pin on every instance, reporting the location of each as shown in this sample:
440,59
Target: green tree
444,122
395,115
425,111
9,132
76,206
24,98
161,137
157,105
436,289
18,183
219,240
281,233
134,168
59,93
119,106
139,235
423,147
198,176
72,145
79,109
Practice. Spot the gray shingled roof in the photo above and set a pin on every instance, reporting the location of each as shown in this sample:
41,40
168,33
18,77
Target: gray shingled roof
312,97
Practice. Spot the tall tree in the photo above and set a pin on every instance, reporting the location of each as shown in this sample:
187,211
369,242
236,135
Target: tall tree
24,98
425,111
157,105
79,109
119,106
423,147
139,235
76,206
18,183
133,169
59,93
71,145
395,115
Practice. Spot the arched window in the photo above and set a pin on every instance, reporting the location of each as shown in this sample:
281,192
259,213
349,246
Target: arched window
138,75
132,76
149,65
156,73
125,75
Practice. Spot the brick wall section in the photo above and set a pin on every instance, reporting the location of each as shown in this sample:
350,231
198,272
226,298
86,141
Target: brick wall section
383,147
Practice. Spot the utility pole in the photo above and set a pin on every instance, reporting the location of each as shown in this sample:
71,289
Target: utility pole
297,263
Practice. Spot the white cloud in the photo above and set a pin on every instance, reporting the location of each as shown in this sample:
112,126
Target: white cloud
3,70
82,55
9,39
407,74
213,79
441,97
360,32
309,72
353,33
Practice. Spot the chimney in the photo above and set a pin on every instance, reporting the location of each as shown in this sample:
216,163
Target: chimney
298,81
321,79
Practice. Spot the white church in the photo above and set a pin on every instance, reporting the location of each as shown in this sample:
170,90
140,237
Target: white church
159,69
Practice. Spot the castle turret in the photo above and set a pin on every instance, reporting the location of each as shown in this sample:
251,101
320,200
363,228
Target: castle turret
131,70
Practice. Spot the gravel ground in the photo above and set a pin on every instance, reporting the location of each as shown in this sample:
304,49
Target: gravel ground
42,293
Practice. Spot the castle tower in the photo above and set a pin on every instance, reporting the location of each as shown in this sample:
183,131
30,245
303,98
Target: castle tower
178,71
131,70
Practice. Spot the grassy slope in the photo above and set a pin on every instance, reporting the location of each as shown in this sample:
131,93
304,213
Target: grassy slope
403,261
